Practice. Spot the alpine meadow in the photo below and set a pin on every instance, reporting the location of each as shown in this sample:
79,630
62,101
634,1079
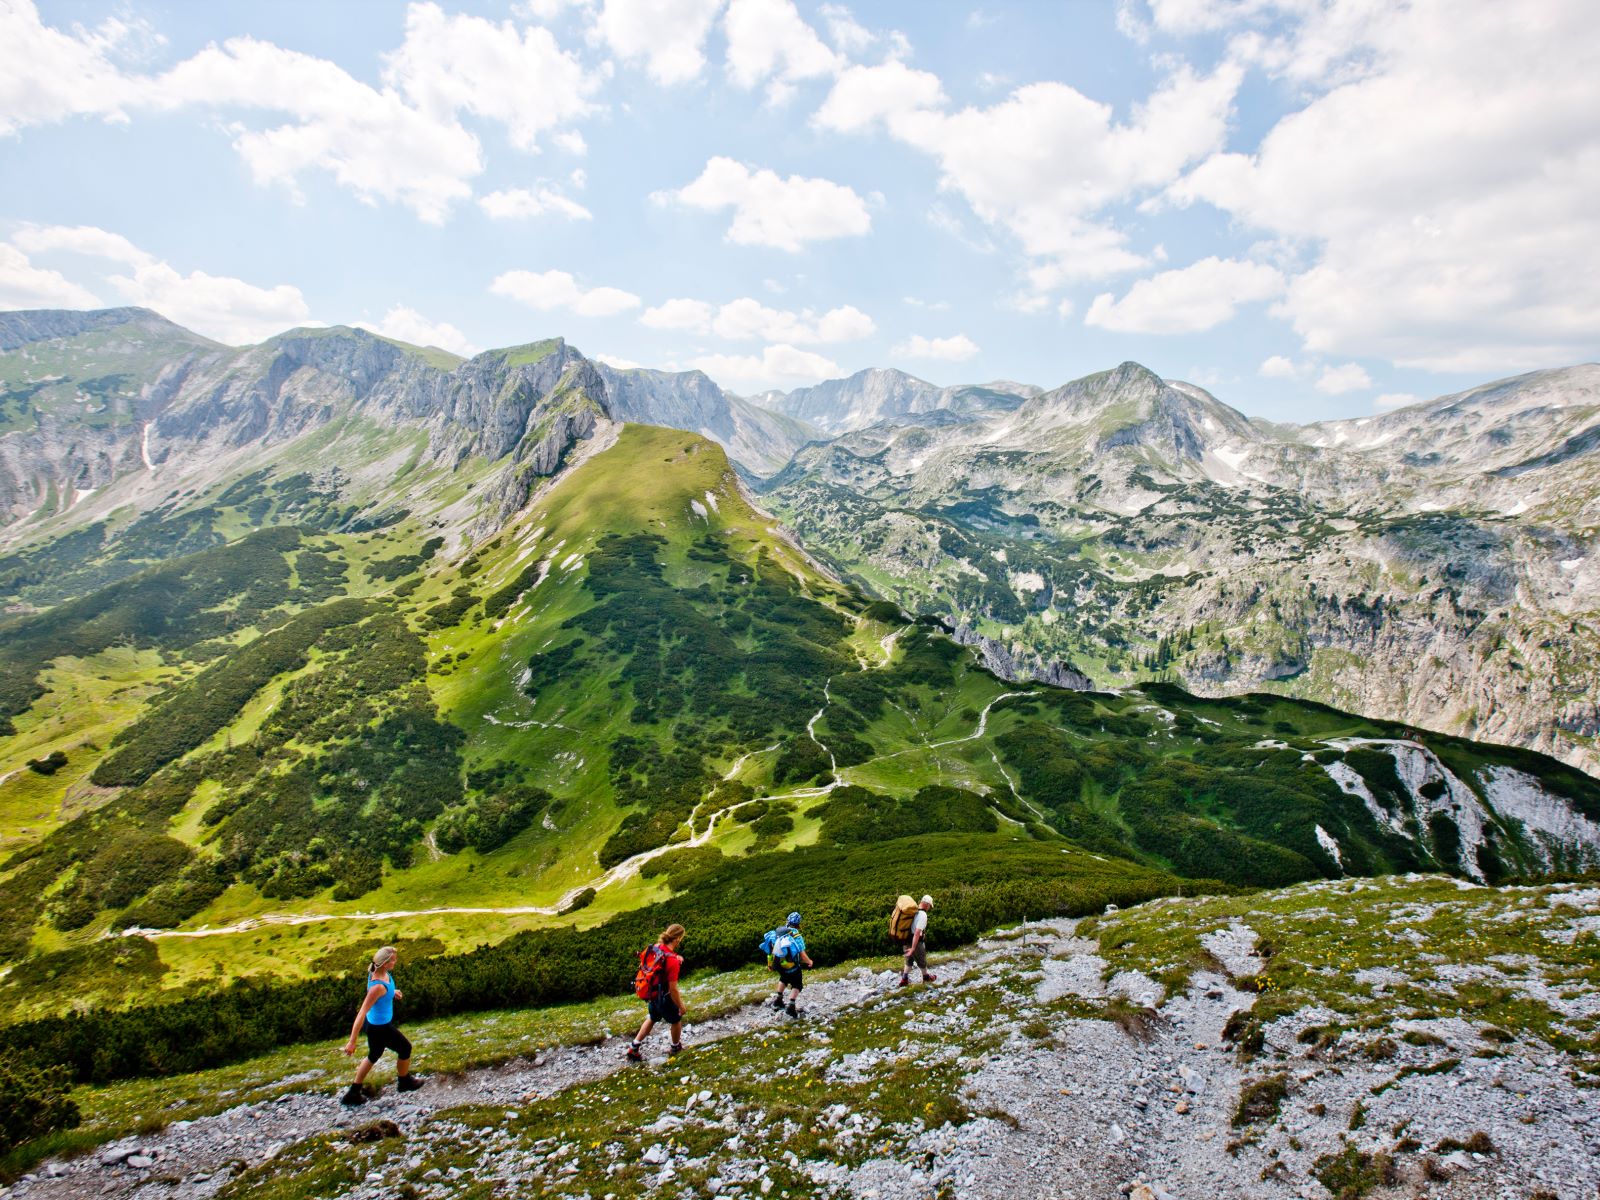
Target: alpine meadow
1236,720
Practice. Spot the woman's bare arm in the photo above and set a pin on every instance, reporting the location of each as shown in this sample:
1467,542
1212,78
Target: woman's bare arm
373,993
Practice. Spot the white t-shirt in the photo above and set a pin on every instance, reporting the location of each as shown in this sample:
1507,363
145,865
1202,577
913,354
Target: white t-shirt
919,923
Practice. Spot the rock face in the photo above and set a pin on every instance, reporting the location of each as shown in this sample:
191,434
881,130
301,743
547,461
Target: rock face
1437,565
758,439
102,398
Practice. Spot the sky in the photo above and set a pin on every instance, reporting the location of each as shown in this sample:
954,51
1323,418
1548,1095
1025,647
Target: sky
1313,208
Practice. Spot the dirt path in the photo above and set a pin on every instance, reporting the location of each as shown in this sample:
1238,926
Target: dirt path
194,1159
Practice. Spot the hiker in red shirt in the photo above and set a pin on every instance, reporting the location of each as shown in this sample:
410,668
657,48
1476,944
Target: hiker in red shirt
657,983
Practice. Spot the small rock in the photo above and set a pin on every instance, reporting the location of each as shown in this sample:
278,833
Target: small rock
140,1162
656,1155
1183,1106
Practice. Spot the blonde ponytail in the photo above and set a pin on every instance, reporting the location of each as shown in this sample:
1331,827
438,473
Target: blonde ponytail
382,960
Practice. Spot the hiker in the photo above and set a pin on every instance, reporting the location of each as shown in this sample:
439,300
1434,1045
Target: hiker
657,983
917,947
377,1017
786,954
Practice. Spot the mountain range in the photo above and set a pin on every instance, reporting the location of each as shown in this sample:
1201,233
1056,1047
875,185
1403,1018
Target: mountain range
1435,564
312,638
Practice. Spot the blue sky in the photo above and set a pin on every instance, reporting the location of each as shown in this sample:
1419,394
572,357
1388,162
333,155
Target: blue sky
1315,208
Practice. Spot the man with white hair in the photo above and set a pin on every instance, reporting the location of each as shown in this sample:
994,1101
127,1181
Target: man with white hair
917,948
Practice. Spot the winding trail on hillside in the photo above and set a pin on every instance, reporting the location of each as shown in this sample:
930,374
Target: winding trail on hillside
983,725
625,870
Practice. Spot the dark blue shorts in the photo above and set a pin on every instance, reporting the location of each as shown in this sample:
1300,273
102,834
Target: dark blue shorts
663,1009
792,977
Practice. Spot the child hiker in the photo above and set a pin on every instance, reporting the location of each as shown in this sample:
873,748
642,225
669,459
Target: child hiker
787,956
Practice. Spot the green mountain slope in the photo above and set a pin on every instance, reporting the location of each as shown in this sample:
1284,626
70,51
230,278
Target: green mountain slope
635,692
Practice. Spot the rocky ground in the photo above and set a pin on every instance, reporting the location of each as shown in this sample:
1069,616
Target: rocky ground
1414,1037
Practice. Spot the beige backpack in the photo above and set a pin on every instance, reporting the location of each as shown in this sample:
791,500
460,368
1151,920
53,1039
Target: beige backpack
905,911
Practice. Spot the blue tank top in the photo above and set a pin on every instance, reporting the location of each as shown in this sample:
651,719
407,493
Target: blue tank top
382,1010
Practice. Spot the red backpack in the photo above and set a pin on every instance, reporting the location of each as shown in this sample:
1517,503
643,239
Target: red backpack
649,981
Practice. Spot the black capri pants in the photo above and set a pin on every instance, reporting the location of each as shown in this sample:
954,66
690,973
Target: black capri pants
386,1037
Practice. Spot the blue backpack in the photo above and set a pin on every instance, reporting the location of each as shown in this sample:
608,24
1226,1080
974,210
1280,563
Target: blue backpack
779,945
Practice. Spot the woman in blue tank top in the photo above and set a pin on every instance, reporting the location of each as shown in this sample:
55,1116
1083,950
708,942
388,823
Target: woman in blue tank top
377,1016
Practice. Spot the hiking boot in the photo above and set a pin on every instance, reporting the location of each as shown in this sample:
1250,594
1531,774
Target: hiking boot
777,1001
792,1010
930,979
408,1083
633,1053
675,1048
904,980
353,1096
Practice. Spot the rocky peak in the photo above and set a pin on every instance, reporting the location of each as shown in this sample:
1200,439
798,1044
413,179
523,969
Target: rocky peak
25,326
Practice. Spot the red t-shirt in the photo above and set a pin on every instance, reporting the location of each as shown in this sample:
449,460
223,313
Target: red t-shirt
673,964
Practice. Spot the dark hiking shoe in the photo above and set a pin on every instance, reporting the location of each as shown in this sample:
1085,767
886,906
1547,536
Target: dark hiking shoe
633,1053
777,1001
675,1048
353,1096
930,979
409,1083
792,1010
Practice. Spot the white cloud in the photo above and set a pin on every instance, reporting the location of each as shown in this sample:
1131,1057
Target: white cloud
668,35
848,35
523,202
768,40
454,63
932,305
747,319
774,365
1064,309
402,142
957,348
771,210
23,285
548,10
692,316
865,96
1047,162
1440,180
218,306
1190,299
1336,381
48,75
557,289
621,364
571,141
1278,367
408,325
1392,400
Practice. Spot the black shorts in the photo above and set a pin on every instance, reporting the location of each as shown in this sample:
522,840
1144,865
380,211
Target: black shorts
792,977
663,1009
386,1037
